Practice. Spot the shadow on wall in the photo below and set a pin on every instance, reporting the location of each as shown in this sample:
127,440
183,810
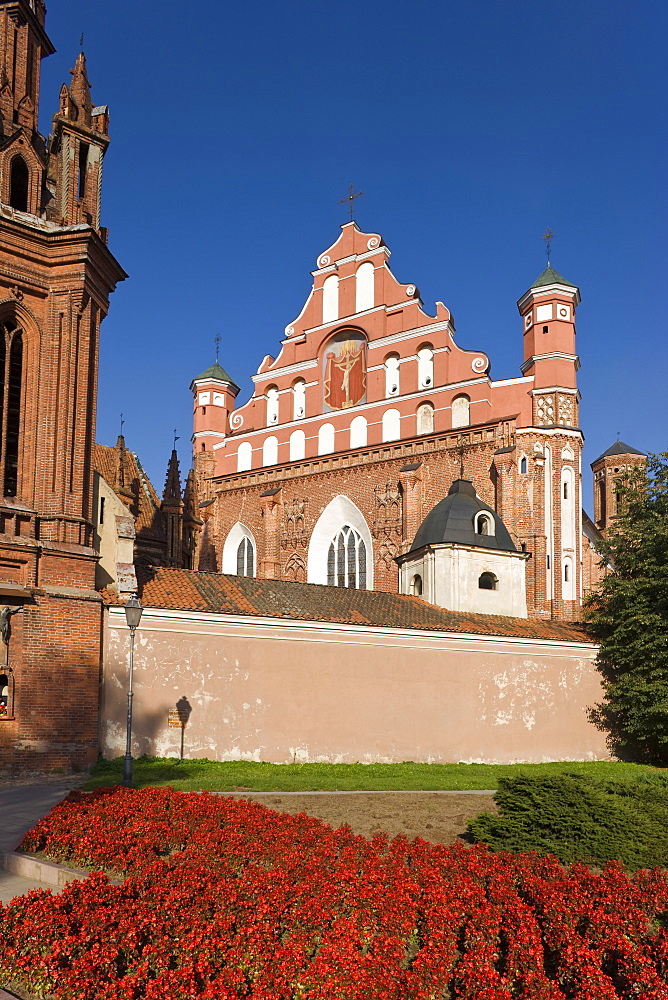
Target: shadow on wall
150,726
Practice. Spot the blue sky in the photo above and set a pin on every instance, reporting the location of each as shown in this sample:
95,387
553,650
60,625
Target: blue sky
236,129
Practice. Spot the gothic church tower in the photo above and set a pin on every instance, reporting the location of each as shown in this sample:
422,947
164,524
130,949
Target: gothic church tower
56,275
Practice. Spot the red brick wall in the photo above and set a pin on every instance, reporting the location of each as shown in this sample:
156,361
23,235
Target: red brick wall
365,476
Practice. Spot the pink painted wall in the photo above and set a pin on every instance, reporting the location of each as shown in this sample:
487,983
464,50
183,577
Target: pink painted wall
263,689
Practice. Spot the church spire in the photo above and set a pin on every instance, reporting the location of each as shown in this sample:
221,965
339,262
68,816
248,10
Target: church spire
79,92
172,491
77,147
172,510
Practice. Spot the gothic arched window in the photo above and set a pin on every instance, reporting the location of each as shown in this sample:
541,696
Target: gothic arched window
346,560
239,552
245,558
11,368
19,178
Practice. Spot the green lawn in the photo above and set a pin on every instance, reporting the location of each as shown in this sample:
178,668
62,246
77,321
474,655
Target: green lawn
227,776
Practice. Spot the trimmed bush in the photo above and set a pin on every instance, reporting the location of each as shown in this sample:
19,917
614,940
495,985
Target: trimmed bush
580,818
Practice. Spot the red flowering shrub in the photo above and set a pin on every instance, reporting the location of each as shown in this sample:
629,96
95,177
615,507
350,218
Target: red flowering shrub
227,899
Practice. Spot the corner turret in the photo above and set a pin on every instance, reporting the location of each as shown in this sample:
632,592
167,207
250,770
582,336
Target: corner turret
214,394
608,469
548,316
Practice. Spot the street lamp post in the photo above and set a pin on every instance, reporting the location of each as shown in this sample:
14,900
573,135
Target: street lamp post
133,612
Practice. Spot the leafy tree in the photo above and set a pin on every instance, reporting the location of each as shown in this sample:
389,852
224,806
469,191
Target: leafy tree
629,618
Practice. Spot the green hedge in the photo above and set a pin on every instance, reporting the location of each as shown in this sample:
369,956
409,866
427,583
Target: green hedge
578,817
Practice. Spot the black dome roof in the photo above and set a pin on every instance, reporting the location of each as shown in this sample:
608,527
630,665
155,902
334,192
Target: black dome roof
453,520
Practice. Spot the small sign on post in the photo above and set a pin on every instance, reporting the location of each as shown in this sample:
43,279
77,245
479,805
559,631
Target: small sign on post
174,720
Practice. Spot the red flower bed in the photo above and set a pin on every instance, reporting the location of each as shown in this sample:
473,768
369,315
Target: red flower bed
226,899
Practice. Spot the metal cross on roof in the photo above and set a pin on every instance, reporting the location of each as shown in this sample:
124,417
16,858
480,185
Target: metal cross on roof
548,236
352,194
217,339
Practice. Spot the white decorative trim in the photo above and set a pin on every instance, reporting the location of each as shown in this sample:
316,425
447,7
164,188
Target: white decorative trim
286,370
201,434
324,261
418,331
410,290
513,381
236,420
373,243
549,357
553,388
551,291
480,364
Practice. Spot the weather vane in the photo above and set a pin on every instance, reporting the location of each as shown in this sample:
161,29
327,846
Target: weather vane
81,40
548,236
352,194
122,422
176,438
216,341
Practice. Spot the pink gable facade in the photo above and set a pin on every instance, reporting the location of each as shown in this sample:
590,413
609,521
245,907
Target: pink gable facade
371,399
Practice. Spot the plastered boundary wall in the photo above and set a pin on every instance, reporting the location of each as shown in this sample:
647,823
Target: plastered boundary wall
265,689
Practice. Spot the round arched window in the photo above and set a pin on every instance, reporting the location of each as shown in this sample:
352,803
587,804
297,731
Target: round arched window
488,581
484,524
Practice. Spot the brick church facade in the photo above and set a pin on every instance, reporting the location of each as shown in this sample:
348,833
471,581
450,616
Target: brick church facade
56,275
369,413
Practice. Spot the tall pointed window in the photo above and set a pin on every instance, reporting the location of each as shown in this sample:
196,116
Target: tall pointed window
346,560
245,558
11,368
18,184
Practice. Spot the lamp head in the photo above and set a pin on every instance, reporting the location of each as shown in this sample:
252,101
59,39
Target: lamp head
133,612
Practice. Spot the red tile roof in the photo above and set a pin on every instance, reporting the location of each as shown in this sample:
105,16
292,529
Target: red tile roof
188,590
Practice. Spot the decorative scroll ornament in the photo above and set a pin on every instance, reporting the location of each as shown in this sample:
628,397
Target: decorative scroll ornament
373,243
324,261
236,420
289,330
479,364
410,290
